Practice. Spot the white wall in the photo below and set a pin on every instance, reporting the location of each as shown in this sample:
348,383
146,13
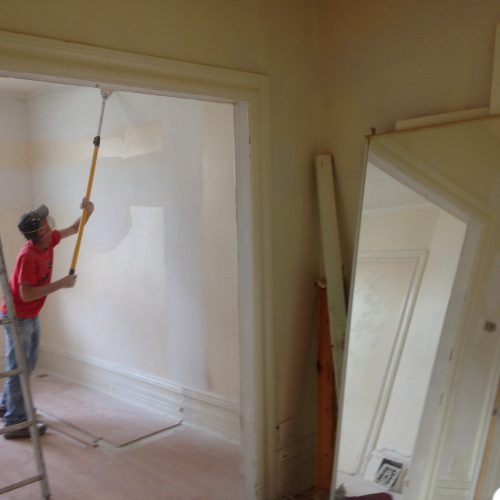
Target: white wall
15,185
157,285
15,178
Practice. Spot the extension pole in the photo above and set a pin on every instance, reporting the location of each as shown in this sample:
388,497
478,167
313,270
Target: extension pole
97,141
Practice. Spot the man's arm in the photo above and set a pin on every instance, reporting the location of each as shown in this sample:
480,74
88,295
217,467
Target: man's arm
33,292
73,229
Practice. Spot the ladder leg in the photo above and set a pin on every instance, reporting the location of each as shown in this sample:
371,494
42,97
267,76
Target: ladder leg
22,371
28,404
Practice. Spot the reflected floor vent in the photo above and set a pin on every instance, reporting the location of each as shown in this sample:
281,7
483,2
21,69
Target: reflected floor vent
388,473
387,468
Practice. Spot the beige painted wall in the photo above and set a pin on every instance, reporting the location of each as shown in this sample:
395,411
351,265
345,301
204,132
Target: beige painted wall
386,61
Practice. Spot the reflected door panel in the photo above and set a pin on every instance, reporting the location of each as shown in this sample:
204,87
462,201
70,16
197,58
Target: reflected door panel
382,290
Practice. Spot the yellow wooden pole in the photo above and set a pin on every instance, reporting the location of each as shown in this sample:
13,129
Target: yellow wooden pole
97,141
83,219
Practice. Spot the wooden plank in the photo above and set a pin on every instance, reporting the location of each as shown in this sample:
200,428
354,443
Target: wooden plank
326,404
442,118
332,261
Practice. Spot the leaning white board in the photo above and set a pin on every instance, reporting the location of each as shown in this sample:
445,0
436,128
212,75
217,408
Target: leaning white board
332,261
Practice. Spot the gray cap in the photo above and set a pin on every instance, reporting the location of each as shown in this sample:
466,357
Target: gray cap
31,221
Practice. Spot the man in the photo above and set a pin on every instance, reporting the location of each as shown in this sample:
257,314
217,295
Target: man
30,283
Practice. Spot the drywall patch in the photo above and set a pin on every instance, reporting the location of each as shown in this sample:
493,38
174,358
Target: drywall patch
133,141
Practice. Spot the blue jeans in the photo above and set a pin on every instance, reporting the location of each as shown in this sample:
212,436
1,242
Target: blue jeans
12,398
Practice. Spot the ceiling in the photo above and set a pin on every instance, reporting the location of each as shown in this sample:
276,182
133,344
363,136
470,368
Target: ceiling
383,192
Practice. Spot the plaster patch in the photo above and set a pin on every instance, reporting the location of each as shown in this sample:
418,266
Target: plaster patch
133,141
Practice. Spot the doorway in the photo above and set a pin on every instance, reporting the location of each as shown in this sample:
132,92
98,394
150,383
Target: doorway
42,59
165,184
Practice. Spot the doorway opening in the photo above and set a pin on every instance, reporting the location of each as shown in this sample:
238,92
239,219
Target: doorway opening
157,320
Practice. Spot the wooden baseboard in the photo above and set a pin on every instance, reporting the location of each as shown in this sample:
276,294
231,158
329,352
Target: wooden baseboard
197,408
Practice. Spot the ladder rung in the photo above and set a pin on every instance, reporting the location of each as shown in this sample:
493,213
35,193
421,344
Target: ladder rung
20,484
6,321
11,373
17,427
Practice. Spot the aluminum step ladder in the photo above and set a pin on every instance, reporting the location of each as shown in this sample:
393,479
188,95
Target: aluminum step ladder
22,371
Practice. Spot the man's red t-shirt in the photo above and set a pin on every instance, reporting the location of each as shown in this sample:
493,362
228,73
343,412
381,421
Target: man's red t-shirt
33,267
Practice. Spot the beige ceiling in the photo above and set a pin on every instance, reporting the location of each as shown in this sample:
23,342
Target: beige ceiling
383,192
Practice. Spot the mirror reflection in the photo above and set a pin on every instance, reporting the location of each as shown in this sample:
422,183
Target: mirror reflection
408,257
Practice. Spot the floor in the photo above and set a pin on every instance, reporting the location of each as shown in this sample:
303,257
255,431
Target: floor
112,461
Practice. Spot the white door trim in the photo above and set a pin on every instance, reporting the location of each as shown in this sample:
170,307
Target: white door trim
38,58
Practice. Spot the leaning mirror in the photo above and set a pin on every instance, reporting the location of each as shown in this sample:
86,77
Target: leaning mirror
416,245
